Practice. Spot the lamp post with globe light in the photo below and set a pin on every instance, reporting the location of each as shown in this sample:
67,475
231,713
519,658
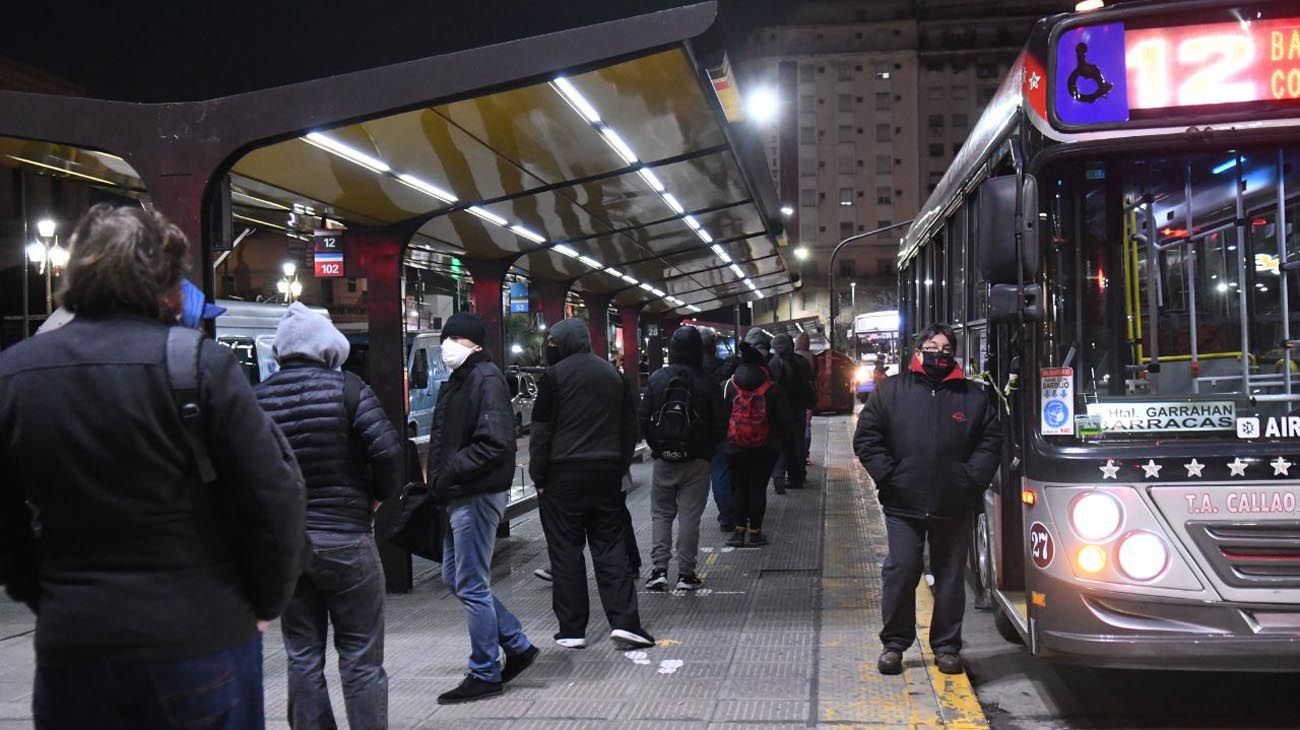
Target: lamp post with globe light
289,287
51,258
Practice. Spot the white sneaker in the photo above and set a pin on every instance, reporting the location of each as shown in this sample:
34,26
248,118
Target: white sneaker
578,643
543,573
631,639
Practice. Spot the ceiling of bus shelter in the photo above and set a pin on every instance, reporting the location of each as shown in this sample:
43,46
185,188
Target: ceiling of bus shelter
529,157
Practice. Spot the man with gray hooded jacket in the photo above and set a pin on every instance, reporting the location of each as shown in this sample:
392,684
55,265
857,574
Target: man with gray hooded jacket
351,461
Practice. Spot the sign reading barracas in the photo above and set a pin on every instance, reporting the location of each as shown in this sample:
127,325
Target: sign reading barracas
1131,417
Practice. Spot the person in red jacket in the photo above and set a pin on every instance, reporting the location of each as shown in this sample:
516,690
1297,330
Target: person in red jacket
929,438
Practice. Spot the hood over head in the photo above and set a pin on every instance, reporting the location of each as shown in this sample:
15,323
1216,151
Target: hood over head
783,344
304,334
571,337
803,344
750,373
686,347
759,339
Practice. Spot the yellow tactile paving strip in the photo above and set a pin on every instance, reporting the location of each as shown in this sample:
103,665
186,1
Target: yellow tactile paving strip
849,690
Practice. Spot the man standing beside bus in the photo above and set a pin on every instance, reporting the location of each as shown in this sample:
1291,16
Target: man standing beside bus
929,438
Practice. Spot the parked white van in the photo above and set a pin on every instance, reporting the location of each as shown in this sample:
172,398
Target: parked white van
425,373
248,329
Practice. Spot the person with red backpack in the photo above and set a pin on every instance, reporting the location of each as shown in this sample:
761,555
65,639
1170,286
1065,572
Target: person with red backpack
760,424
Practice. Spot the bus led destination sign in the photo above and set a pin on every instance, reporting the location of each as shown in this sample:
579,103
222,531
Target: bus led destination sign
1105,72
1136,417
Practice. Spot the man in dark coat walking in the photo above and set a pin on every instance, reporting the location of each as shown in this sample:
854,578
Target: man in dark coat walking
929,438
794,376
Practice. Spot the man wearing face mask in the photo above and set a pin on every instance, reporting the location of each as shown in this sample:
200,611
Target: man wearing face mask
930,439
471,465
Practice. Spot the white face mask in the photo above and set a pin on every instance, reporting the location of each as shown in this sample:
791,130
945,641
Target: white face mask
455,354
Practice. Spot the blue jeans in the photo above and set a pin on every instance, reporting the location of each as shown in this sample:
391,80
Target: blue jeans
467,570
218,691
343,586
720,476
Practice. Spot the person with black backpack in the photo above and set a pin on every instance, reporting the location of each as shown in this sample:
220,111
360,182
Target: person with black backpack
760,425
682,419
352,460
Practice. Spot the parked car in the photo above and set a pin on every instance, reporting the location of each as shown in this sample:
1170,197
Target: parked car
523,393
425,374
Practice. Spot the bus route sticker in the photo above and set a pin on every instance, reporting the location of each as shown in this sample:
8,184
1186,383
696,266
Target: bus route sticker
1056,401
1041,547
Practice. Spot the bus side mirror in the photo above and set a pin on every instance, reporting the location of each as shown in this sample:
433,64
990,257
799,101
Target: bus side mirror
1004,305
995,228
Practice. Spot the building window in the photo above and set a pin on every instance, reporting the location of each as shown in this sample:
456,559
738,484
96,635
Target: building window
808,166
807,135
808,232
882,133
985,71
846,133
846,163
847,268
845,102
846,197
936,149
959,121
844,72
806,72
884,164
883,101
936,121
808,198
934,93
959,93
806,102
883,70
883,195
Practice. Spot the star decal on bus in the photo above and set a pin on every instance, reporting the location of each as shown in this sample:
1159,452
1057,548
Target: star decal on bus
1110,470
1237,467
1280,467
1034,80
1194,468
1152,469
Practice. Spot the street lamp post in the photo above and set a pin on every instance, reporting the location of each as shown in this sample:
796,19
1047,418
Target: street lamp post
289,286
834,293
51,257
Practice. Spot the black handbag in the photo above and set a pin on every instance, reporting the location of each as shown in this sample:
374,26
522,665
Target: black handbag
419,523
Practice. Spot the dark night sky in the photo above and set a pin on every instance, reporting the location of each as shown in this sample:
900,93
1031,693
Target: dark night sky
188,49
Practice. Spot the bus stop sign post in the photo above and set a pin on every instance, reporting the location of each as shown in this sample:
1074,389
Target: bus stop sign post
836,252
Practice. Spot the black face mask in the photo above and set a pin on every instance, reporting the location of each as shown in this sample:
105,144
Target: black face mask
937,365
552,354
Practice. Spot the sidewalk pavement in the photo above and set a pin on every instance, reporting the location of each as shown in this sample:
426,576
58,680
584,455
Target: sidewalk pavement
779,637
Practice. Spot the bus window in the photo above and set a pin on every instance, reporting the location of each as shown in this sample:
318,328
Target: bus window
245,351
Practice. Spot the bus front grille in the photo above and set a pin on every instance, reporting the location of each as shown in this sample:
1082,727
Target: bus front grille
1251,555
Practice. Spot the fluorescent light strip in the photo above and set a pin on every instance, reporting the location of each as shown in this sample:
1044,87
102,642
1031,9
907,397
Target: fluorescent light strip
619,145
429,189
704,236
658,292
487,215
758,294
256,199
750,284
258,222
567,251
629,279
593,263
738,271
575,98
690,221
62,170
646,286
652,179
722,253
672,203
614,273
694,308
530,235
338,148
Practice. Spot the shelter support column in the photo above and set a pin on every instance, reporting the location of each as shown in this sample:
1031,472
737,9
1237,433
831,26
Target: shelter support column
550,299
379,256
654,337
598,321
630,318
485,298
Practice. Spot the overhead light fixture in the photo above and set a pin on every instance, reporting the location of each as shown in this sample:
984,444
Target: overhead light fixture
787,211
750,284
762,105
659,292
1089,5
486,215
259,222
722,253
62,171
704,236
738,271
693,308
352,155
429,189
801,253
629,279
646,286
593,263
576,99
652,179
619,145
690,221
673,203
613,272
1225,166
567,251
256,199
758,294
530,235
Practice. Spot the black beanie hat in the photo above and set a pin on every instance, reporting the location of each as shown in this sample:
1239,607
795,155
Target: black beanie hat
464,324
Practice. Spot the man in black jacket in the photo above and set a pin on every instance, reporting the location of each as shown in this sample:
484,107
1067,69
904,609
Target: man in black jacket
352,460
794,376
149,581
471,465
929,439
582,440
682,418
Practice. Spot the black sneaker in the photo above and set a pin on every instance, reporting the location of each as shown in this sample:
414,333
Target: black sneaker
757,539
515,665
890,662
631,639
737,538
688,582
472,688
658,580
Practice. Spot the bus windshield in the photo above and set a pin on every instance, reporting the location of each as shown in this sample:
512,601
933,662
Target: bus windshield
1170,293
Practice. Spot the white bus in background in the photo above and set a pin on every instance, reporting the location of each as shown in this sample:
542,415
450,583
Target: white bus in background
875,338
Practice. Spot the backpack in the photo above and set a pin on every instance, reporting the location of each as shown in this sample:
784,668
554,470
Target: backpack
748,427
670,426
183,376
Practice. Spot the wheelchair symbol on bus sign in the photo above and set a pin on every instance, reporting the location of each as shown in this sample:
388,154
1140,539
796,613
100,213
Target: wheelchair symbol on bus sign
1056,413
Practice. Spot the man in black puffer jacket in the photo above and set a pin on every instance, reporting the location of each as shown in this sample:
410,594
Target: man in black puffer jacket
929,438
351,459
583,436
682,419
471,466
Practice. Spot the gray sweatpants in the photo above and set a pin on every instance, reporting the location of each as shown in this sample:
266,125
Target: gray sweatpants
679,491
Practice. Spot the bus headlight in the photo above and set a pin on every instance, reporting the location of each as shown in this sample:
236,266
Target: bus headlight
862,374
1091,559
1142,555
1095,516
